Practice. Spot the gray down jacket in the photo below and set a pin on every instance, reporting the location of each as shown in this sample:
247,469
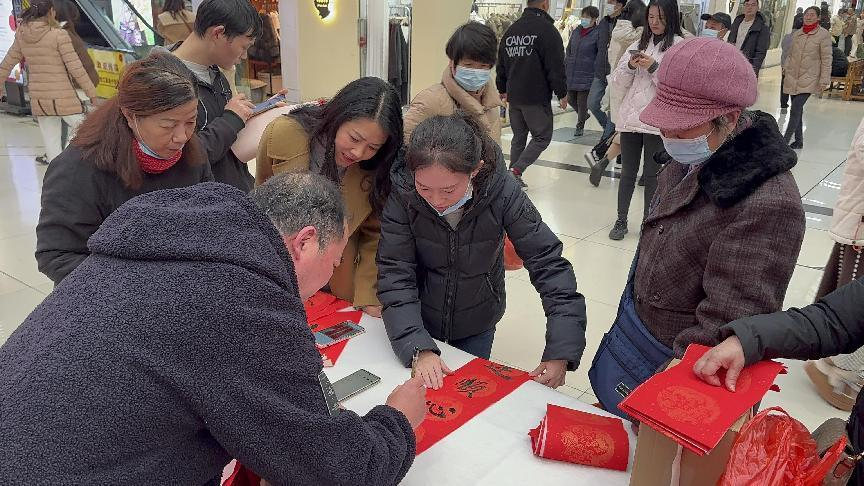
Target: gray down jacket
446,284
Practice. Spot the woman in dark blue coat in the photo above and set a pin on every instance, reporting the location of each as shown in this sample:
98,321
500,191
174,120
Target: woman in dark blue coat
579,62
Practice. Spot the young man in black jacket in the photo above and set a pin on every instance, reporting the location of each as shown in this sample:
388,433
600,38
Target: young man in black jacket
751,34
182,342
530,69
224,31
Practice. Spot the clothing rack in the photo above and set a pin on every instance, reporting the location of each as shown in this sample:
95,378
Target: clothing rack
486,8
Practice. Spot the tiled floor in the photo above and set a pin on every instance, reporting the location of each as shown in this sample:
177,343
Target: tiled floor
581,214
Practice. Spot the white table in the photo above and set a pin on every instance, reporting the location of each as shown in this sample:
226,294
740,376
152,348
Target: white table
493,448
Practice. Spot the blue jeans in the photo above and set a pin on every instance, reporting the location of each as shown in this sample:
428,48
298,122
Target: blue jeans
595,98
479,345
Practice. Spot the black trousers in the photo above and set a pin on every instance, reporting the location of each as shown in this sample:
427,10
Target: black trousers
796,118
784,98
635,147
579,101
536,120
847,45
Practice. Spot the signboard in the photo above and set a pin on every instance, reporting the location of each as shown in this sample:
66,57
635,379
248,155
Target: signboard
129,25
7,35
109,65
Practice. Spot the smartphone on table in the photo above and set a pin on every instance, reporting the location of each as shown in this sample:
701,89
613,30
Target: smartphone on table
338,333
268,105
354,383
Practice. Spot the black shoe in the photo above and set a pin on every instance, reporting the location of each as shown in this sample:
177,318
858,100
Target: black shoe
42,159
641,181
797,145
578,132
784,110
619,230
519,179
597,172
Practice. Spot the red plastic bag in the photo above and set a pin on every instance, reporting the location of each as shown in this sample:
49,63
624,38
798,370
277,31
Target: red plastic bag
511,259
774,449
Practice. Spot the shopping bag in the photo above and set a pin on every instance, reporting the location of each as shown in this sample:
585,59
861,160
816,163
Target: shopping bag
511,259
774,449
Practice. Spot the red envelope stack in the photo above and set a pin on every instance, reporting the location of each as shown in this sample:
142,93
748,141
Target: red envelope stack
691,412
581,438
324,310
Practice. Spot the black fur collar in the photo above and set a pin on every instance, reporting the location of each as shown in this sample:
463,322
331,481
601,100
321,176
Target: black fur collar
745,162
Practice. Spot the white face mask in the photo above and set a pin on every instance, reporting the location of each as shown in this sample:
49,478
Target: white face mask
610,9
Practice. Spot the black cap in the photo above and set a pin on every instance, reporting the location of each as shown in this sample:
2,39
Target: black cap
721,17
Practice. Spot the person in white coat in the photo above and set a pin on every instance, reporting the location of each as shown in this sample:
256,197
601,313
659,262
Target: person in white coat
634,84
839,379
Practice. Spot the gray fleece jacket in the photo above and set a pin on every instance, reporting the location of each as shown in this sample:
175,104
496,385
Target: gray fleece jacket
179,343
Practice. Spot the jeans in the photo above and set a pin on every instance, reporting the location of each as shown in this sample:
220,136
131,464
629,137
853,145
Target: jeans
796,118
595,98
579,102
479,345
633,147
533,119
784,98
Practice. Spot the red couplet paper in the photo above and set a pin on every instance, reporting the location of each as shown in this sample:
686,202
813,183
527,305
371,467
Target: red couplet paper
466,393
581,438
323,304
695,414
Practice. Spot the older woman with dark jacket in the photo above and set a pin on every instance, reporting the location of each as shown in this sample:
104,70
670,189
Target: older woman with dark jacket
440,267
581,56
725,227
833,325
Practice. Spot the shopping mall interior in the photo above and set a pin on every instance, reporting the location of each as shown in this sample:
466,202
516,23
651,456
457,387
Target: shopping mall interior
579,214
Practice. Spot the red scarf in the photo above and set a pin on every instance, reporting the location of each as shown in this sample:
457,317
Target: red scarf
810,28
153,165
585,31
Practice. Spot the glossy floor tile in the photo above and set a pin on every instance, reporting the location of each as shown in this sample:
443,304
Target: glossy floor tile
582,215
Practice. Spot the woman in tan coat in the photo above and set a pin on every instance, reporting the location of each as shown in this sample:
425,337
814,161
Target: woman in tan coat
52,63
807,70
466,84
352,140
175,23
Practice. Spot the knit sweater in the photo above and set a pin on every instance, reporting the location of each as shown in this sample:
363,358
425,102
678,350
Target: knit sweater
182,342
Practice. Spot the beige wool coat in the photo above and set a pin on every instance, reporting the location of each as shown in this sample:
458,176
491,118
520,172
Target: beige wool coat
53,65
808,65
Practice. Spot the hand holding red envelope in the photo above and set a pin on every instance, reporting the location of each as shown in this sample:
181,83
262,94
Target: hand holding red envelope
581,438
691,412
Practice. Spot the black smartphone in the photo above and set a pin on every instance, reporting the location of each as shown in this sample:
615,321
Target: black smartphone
354,383
635,52
268,105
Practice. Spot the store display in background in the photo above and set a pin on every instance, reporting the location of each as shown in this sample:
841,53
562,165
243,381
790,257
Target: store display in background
498,15
129,25
109,65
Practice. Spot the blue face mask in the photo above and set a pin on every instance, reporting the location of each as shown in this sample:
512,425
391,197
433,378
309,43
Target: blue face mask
585,23
467,197
610,9
706,32
472,79
689,151
144,147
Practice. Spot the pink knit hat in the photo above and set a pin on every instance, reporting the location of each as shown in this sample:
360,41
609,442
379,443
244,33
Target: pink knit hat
699,80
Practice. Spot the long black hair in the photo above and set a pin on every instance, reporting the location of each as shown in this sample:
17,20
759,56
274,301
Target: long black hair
672,20
365,98
456,142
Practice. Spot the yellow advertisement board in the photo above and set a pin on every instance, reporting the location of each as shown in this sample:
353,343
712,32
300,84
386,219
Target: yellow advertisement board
109,65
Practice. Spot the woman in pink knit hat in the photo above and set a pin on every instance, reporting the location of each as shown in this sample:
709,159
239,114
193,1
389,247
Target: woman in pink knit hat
725,227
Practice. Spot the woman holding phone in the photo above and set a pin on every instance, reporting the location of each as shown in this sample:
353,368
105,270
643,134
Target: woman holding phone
634,84
353,140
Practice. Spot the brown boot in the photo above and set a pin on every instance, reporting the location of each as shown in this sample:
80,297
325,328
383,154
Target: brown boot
836,386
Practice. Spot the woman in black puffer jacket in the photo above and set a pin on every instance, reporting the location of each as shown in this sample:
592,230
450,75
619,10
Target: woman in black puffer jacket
440,267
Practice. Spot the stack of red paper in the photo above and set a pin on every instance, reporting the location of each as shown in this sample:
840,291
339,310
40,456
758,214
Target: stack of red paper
324,310
581,438
691,412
